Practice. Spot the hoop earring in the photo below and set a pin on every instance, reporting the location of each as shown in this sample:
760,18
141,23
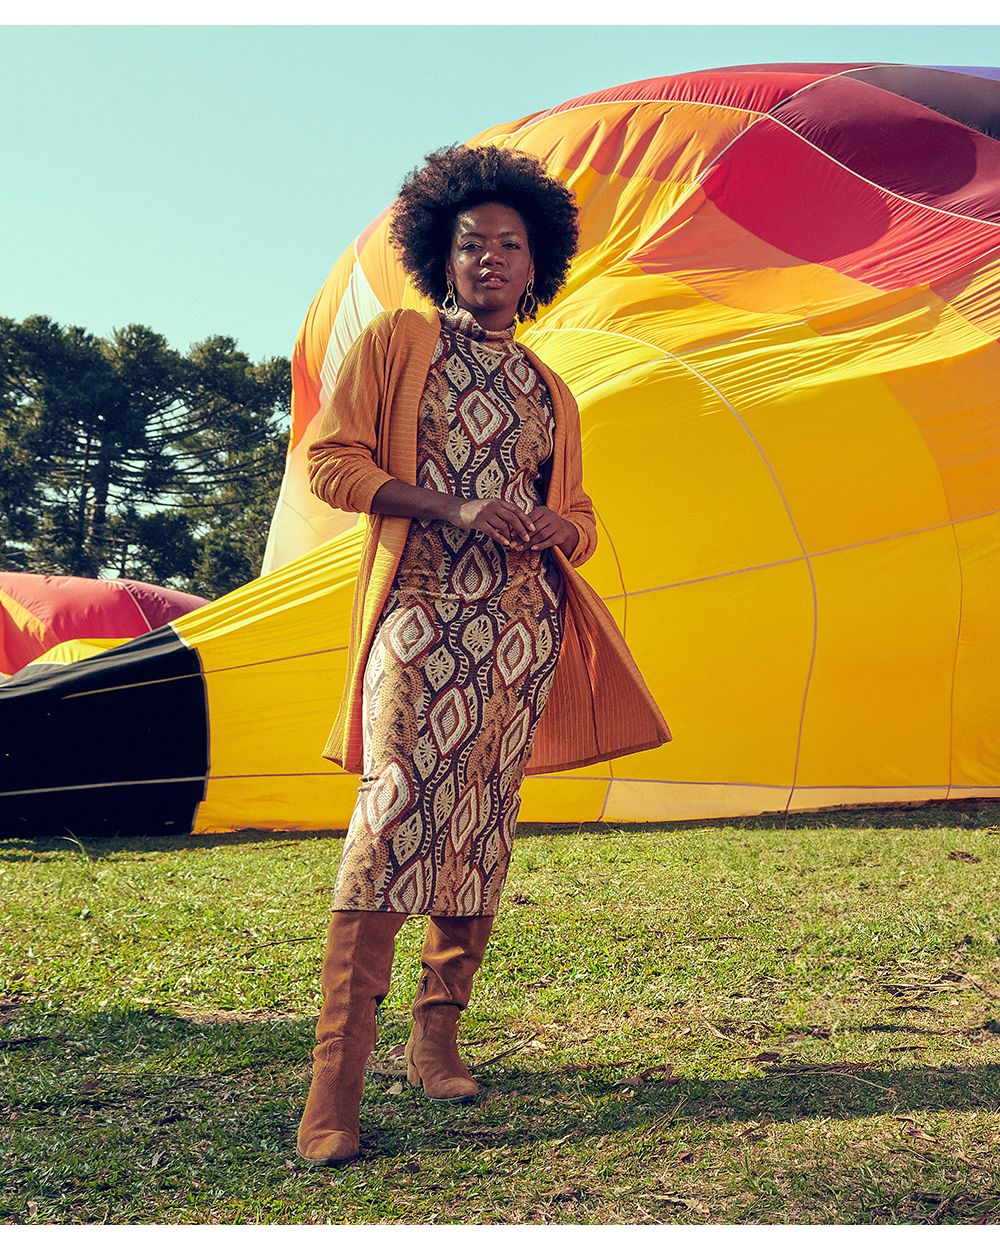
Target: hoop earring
450,303
528,301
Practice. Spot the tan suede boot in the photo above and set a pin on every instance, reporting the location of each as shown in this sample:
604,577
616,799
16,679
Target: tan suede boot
355,979
453,950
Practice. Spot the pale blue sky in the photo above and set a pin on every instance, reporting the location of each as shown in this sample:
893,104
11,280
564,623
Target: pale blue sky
203,180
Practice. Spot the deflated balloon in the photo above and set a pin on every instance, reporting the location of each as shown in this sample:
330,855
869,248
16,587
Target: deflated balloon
782,329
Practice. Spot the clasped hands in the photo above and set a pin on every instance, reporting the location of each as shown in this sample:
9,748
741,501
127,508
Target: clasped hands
515,529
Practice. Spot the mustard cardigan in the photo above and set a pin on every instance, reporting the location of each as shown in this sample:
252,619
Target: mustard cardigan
599,706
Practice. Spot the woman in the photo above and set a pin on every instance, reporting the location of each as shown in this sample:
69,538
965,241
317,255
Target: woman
469,620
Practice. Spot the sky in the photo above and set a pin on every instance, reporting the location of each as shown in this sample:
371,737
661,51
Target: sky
204,179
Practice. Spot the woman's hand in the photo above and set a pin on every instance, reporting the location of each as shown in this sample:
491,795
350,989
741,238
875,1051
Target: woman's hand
551,530
494,517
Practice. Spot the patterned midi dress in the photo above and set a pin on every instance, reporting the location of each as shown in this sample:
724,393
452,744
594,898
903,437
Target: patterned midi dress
464,651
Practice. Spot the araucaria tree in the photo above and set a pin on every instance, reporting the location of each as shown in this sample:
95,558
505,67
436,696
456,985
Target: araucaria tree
123,457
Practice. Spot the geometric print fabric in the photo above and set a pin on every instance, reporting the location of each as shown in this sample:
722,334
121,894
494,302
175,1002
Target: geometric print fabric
464,652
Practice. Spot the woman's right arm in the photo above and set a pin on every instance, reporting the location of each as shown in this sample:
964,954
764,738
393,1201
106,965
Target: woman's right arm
341,462
342,468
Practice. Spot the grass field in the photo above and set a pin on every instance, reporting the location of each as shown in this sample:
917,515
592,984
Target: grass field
745,1022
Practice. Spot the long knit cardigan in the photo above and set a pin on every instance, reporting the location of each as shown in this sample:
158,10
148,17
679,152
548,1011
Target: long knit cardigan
598,706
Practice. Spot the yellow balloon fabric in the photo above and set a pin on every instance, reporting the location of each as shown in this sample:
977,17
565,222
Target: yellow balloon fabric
781,328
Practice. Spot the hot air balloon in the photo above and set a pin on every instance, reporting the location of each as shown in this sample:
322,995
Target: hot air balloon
781,328
37,612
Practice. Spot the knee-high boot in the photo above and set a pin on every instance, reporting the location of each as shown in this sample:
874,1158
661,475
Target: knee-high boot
356,970
453,950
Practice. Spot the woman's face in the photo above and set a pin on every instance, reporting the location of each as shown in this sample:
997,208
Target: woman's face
490,263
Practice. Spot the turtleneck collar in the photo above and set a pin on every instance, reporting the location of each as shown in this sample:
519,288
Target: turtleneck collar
465,323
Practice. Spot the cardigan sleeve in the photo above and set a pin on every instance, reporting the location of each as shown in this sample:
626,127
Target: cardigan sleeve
578,507
342,468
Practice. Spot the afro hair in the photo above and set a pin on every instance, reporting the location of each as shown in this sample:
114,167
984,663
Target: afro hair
458,177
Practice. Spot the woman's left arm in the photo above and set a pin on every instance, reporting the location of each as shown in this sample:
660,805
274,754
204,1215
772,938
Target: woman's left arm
577,506
574,529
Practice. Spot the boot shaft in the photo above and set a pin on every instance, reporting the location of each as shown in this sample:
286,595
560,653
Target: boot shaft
357,969
453,952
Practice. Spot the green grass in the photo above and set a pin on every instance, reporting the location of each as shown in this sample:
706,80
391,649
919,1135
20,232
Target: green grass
744,1022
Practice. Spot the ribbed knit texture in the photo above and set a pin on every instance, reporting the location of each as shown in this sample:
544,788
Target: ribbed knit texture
599,706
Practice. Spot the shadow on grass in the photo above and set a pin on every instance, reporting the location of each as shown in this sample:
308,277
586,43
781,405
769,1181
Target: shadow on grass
136,1078
25,849
975,815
